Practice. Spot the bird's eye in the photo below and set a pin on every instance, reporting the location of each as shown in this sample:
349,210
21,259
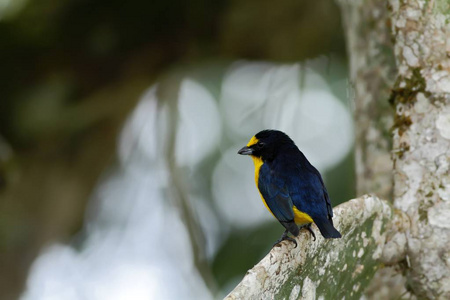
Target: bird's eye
260,145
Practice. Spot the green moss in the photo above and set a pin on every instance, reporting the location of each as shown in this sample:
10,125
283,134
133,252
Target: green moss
402,123
442,7
423,216
404,147
338,279
423,210
405,92
406,89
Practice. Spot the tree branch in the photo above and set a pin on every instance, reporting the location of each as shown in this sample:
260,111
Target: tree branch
330,269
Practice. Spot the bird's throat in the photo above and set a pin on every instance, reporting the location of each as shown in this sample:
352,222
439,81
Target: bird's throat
258,163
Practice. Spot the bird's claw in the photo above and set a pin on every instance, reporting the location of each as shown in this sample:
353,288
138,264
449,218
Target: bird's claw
285,237
308,227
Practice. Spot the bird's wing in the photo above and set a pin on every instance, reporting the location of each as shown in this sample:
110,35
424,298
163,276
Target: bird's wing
308,193
276,194
324,190
327,200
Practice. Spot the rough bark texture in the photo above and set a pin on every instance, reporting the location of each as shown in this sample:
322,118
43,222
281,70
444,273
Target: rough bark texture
421,136
329,269
372,74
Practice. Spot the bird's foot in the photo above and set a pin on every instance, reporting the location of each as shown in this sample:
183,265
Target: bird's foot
285,237
308,227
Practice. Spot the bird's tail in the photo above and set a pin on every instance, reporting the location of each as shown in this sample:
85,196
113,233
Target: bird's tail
327,229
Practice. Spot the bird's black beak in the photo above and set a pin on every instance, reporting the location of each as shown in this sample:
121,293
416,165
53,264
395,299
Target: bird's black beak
245,151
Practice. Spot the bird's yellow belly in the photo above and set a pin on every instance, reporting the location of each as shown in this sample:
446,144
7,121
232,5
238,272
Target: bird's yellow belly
301,218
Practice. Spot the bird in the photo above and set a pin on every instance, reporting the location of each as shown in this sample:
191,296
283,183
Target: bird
290,187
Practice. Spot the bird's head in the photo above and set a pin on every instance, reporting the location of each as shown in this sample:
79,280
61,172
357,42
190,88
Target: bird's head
267,144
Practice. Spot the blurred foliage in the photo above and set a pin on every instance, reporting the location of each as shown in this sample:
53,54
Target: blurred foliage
72,70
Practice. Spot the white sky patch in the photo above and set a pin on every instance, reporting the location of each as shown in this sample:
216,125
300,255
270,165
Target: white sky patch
199,127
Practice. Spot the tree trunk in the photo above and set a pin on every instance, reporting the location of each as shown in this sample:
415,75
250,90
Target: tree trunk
413,238
372,74
421,139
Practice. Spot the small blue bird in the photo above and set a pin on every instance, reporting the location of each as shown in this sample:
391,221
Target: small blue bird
290,187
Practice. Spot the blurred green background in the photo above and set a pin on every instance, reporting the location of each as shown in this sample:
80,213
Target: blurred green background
71,72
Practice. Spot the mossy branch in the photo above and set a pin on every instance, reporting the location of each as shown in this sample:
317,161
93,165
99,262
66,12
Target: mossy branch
330,269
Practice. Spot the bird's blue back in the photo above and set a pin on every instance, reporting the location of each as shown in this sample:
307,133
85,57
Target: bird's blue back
291,180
